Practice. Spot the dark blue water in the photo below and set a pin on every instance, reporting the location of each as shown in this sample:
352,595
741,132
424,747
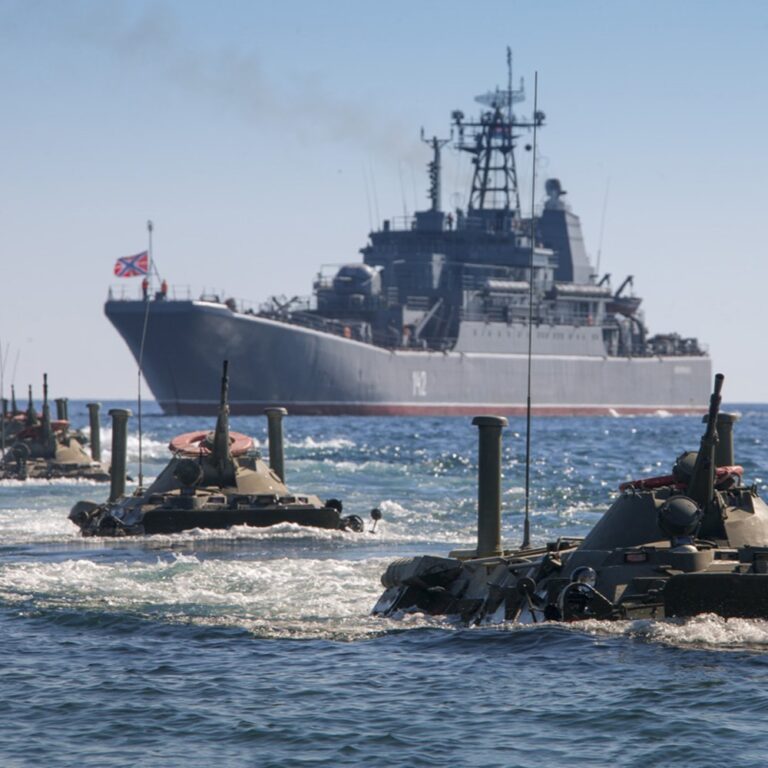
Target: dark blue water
255,647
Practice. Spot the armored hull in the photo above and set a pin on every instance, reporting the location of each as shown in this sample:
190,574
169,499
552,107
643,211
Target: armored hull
315,372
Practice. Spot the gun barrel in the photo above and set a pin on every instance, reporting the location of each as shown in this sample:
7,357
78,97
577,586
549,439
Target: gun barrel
224,384
702,485
221,456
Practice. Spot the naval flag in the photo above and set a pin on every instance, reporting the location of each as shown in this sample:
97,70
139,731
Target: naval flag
132,266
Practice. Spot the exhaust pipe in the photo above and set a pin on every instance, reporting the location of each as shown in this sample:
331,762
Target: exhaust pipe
95,421
62,409
489,485
275,428
46,426
119,451
724,454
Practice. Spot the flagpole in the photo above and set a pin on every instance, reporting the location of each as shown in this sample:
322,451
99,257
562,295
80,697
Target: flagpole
150,227
3,360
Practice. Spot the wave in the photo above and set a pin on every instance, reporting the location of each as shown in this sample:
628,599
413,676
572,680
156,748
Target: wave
151,448
704,631
337,443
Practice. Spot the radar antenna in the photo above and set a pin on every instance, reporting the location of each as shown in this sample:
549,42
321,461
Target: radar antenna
527,521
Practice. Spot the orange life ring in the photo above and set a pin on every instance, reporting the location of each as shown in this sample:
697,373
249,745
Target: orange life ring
721,473
193,443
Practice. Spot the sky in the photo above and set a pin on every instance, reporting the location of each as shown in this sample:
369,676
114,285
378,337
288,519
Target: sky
265,140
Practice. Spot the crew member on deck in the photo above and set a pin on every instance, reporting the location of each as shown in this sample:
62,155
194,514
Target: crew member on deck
145,287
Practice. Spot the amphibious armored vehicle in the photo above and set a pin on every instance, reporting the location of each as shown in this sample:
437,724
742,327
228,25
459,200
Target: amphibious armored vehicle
214,480
693,541
36,446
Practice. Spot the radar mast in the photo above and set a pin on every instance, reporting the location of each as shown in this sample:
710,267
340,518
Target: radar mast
434,168
491,141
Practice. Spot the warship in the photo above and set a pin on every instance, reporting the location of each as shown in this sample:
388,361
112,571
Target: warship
677,545
434,320
213,480
36,446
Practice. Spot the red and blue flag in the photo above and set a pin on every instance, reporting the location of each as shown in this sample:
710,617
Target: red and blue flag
132,266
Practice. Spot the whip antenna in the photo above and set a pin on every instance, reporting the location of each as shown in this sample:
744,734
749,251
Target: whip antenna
141,355
3,361
602,226
15,365
527,522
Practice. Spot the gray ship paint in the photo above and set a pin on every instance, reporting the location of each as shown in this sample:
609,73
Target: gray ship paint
314,372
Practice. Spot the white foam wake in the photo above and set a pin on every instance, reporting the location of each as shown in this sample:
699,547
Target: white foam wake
281,597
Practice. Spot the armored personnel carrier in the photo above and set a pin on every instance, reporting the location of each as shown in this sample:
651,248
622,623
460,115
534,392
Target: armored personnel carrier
213,480
693,541
40,447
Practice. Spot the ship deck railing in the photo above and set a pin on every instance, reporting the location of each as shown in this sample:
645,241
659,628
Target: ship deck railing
518,313
134,292
489,221
299,311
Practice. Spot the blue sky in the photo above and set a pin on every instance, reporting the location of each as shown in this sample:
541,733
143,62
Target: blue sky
265,139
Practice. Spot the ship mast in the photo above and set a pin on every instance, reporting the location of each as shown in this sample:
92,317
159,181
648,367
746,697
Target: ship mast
434,168
491,141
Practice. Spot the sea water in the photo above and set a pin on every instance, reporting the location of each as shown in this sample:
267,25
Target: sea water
256,647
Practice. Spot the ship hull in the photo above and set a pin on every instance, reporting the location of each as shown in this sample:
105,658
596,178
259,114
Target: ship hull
312,372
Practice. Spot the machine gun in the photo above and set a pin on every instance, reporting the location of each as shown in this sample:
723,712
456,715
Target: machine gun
219,466
701,487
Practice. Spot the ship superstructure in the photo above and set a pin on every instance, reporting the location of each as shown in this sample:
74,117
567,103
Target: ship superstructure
435,317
